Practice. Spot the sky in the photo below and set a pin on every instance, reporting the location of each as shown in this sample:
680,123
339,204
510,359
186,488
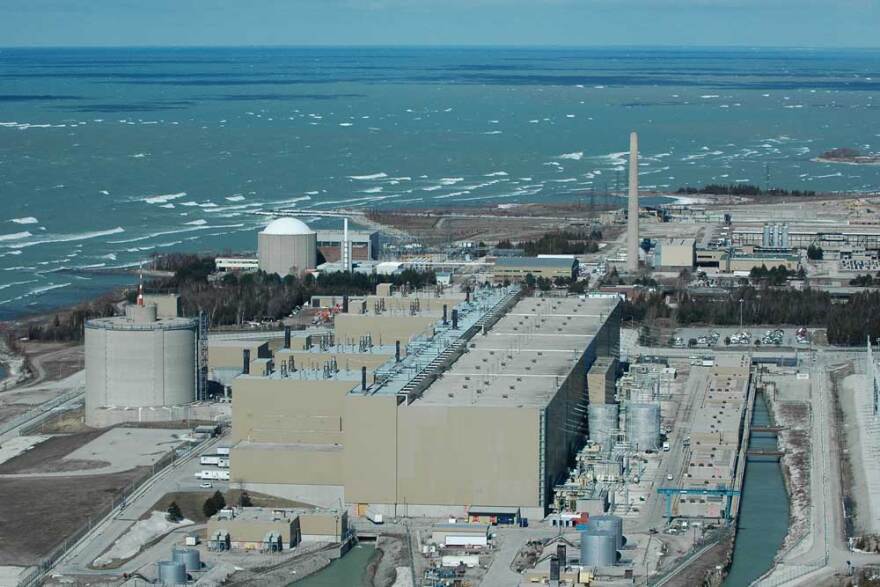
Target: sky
792,23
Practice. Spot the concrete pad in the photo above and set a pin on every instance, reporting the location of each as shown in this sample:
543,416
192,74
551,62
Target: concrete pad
865,454
12,575
126,448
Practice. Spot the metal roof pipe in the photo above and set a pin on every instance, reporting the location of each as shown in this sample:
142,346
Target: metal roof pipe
397,351
444,314
246,362
345,304
287,337
363,379
454,319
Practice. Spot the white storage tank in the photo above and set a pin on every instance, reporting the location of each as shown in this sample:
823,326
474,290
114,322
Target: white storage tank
139,361
598,548
602,422
287,246
643,425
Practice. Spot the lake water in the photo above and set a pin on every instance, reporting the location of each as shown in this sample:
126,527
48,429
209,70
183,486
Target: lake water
763,518
348,571
110,155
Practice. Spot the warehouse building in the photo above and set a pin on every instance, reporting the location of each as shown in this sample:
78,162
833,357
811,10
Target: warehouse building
488,408
675,253
276,529
516,268
287,246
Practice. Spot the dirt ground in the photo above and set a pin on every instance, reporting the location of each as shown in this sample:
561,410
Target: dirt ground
47,456
38,513
437,227
704,570
67,422
51,361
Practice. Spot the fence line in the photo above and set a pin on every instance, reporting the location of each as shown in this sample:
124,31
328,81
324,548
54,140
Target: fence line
34,577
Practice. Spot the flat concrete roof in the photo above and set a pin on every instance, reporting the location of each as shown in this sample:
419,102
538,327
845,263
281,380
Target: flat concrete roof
525,357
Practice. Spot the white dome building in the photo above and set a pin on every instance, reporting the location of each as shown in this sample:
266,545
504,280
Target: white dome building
287,246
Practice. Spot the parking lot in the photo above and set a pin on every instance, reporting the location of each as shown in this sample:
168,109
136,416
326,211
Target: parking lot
717,337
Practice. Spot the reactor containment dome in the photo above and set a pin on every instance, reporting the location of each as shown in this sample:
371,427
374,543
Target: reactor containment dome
140,361
287,246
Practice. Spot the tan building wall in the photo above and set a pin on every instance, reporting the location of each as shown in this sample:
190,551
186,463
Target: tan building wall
383,329
677,252
323,525
288,410
370,449
223,354
471,455
167,305
519,273
286,464
747,263
250,533
601,381
425,304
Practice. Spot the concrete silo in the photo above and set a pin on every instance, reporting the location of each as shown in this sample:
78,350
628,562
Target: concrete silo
139,361
287,246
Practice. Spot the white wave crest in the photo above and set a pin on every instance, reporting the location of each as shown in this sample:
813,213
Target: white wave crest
368,177
576,156
163,198
16,236
25,220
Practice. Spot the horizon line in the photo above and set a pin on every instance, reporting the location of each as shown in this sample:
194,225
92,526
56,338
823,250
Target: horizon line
451,46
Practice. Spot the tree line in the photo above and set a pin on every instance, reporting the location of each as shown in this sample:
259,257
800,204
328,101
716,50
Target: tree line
560,242
742,189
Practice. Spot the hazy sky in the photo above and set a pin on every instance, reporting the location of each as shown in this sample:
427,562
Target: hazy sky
835,23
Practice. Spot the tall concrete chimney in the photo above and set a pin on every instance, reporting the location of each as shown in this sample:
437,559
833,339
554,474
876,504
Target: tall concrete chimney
632,225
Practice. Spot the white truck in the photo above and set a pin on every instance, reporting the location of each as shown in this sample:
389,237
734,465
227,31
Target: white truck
223,450
666,447
219,475
209,459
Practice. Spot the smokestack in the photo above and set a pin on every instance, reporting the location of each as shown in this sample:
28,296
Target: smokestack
397,351
632,225
287,337
454,319
444,314
363,379
346,247
246,361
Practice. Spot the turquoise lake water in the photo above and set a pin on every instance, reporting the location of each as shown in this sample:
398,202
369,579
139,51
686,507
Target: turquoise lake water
110,155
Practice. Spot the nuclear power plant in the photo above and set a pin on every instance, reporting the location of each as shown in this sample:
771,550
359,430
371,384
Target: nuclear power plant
632,223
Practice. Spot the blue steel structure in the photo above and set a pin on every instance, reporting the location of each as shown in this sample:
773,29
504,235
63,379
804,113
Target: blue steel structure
668,492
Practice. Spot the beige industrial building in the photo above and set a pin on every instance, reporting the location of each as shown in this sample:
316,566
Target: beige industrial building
601,381
675,253
486,410
364,244
287,246
517,268
255,528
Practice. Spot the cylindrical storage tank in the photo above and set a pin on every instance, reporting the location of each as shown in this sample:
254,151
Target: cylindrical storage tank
171,573
287,246
602,420
608,523
643,425
139,364
189,557
598,548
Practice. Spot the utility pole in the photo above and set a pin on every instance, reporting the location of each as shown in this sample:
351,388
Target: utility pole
741,300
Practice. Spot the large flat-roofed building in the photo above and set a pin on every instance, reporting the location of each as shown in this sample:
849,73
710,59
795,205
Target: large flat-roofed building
516,268
675,252
364,244
490,410
271,529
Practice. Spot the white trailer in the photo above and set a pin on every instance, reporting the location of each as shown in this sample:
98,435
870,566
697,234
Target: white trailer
223,450
209,459
207,475
223,462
